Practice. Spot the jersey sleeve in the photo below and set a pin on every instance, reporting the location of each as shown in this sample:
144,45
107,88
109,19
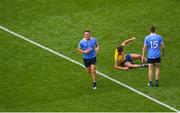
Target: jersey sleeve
145,41
80,45
96,42
161,40
116,54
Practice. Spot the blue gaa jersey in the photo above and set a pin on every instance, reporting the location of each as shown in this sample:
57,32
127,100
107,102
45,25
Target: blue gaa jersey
88,44
153,43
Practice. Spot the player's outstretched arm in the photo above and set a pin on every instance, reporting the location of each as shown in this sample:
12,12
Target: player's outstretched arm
127,41
119,67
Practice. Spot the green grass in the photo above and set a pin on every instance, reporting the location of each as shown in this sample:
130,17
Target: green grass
32,79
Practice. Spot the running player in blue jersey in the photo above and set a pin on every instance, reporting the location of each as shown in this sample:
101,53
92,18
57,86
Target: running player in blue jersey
153,44
89,47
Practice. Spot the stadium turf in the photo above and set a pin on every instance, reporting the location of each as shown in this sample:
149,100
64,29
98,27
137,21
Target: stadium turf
32,79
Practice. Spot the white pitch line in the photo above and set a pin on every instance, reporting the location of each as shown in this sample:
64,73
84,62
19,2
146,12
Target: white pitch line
75,62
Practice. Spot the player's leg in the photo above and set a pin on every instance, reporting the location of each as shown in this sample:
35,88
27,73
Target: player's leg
157,72
93,72
130,65
128,61
87,65
130,58
90,65
137,56
150,74
88,69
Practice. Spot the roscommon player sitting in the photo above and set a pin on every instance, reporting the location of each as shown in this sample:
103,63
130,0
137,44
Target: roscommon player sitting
125,62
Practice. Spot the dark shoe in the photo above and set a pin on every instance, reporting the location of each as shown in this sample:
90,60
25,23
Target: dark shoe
143,65
150,84
156,83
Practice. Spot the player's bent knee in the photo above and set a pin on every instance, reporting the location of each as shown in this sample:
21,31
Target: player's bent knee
140,56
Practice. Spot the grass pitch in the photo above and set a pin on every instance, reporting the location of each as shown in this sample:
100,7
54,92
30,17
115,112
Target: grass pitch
32,79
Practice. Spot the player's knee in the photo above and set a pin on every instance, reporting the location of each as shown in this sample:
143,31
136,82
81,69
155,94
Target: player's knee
88,70
157,65
140,57
150,71
92,71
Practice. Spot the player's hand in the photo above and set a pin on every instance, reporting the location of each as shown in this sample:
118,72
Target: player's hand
88,50
142,59
133,38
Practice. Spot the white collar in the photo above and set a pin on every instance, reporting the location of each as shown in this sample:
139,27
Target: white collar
87,40
152,34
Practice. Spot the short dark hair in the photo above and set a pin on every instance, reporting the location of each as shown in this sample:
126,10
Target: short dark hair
153,29
120,49
87,31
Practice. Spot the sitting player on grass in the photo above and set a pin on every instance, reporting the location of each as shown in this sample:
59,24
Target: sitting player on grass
125,62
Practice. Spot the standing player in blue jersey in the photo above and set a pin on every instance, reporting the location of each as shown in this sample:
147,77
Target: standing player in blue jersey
153,44
89,47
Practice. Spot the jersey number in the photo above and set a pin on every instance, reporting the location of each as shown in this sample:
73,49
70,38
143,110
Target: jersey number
154,44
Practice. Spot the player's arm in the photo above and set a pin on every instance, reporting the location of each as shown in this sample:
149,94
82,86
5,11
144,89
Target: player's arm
97,47
83,51
116,66
163,49
144,49
143,53
127,41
